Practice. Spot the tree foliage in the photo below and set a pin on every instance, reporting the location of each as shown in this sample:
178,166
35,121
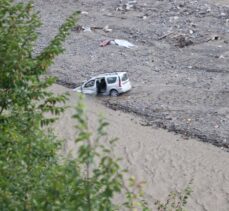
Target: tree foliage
26,151
21,86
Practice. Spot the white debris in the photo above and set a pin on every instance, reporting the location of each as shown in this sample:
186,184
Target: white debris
123,43
144,17
221,57
86,29
107,29
84,13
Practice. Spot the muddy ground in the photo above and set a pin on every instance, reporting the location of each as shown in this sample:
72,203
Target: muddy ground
179,69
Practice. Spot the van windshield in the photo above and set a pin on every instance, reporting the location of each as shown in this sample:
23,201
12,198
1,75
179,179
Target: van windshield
124,77
90,84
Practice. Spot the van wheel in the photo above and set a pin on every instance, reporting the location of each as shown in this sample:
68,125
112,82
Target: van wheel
114,93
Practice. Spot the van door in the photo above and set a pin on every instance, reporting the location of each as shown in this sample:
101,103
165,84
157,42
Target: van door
89,87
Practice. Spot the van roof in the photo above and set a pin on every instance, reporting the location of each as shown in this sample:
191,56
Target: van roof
113,73
109,74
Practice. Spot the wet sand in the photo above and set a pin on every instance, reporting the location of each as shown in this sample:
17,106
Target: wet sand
166,161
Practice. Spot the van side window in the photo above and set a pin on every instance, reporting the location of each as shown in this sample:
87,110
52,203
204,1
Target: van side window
90,84
124,77
111,80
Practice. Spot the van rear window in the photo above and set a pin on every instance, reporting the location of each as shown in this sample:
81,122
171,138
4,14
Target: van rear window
124,77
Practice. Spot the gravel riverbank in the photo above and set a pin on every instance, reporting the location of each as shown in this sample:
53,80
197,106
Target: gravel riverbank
179,69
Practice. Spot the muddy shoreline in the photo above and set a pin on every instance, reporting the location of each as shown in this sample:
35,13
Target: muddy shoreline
149,121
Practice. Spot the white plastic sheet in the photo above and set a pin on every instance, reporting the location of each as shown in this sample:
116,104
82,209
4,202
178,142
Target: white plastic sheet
123,43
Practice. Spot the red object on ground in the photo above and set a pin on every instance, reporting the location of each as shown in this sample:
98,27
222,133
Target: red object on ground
104,43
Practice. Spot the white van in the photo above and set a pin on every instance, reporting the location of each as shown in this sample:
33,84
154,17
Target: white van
105,84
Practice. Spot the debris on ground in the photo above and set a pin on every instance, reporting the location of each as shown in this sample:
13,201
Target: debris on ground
80,28
164,36
87,29
104,43
121,43
84,13
144,17
182,41
107,29
126,6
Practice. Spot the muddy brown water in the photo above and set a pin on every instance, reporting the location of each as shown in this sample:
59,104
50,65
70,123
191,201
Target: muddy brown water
164,160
